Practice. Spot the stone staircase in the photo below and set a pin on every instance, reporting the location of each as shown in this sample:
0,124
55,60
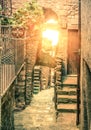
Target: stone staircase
36,79
65,91
67,98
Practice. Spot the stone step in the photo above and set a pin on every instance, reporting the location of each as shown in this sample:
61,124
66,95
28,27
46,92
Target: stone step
36,75
36,88
36,82
35,92
36,85
69,80
36,78
66,99
37,67
67,108
66,96
66,91
46,126
69,85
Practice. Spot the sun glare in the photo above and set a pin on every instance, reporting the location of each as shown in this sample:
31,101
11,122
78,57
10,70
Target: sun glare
52,35
52,21
51,31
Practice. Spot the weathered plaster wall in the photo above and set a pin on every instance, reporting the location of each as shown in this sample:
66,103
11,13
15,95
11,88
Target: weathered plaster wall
86,32
85,65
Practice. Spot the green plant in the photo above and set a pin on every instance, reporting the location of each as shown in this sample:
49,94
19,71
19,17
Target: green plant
28,16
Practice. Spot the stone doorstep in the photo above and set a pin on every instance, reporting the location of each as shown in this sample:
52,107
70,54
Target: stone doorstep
70,81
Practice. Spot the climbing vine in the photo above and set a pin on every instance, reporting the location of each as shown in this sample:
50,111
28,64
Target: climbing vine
30,16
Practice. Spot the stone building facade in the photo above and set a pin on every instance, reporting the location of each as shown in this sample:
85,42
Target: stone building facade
85,65
67,12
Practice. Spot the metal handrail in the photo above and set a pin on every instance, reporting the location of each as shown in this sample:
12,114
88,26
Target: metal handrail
11,56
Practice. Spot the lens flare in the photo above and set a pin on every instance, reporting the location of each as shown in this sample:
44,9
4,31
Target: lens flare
52,35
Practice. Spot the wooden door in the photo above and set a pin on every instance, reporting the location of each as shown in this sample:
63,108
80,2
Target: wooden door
73,47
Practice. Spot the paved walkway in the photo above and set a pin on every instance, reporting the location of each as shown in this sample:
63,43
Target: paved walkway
40,115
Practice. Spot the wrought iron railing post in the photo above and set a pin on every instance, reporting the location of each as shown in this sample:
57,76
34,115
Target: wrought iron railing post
78,68
0,69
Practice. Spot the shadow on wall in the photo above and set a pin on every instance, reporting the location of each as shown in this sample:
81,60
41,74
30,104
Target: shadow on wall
45,59
49,14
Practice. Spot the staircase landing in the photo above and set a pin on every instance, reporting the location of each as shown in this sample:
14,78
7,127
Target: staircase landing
70,80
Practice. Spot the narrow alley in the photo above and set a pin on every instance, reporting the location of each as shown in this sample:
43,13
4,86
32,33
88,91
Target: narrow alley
45,65
41,115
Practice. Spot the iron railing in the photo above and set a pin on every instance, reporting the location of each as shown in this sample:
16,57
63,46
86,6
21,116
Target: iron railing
11,56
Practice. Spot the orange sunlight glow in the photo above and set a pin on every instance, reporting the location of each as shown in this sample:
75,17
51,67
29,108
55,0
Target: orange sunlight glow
52,21
52,35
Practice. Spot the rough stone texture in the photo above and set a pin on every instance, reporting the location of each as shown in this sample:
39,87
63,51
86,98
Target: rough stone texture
86,33
20,89
85,65
31,56
40,115
16,4
67,11
86,100
44,77
0,112
7,115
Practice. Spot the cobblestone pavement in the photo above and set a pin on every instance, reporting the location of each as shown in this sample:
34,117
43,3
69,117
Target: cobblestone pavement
40,115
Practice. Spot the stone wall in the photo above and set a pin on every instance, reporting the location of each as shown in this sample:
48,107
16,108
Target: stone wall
45,73
85,65
7,115
66,10
20,90
86,33
16,4
0,112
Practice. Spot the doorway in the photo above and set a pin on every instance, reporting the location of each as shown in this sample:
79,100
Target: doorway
73,47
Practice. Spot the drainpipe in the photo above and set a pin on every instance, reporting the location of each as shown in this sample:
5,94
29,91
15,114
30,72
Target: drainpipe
78,68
